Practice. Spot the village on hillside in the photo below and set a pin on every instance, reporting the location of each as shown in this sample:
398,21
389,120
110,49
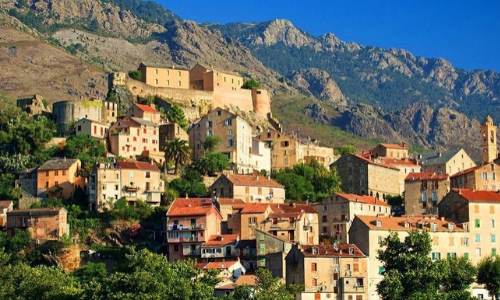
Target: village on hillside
245,217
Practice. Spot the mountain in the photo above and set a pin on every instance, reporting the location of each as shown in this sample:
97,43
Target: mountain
62,49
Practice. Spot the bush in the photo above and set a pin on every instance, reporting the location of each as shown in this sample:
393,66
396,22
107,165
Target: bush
135,74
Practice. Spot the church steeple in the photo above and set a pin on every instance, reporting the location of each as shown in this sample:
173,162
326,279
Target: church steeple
488,141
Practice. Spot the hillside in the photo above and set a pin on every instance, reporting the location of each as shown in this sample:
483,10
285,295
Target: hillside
350,90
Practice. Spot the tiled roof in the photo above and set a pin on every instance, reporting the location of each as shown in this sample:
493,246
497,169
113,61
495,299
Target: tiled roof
406,223
142,121
426,176
91,121
163,66
394,146
362,199
221,239
478,196
36,211
138,165
215,265
126,122
5,203
438,158
227,201
399,162
381,163
250,180
254,208
250,280
292,208
190,207
466,171
58,164
343,250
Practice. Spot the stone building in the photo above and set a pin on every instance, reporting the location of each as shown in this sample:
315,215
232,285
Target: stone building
446,162
92,128
483,177
160,75
34,105
69,111
145,112
59,178
424,191
249,188
42,223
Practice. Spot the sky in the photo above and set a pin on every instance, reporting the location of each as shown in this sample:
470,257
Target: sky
464,32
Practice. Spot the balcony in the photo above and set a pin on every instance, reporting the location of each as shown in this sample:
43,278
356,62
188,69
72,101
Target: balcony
131,188
180,227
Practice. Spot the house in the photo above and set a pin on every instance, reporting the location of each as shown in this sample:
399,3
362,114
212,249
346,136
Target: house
68,111
5,206
271,252
368,176
246,251
170,131
446,162
244,154
226,209
338,271
168,76
131,137
448,239
230,270
289,150
92,128
207,79
42,223
130,180
336,213
248,218
293,222
143,111
219,247
424,191
27,181
251,189
483,177
59,178
190,223
399,151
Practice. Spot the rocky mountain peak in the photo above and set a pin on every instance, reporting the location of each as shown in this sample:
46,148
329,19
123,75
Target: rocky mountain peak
281,30
318,83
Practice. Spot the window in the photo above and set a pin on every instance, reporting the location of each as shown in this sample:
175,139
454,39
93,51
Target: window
230,143
56,183
484,176
148,174
314,282
436,255
451,255
56,172
46,173
314,267
230,132
466,255
466,241
424,197
493,238
116,187
493,251
478,223
64,172
325,208
228,122
324,219
478,251
478,237
252,220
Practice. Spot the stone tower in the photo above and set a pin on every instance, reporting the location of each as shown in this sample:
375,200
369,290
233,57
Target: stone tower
488,141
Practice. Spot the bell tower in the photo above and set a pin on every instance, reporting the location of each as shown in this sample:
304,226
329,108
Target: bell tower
488,141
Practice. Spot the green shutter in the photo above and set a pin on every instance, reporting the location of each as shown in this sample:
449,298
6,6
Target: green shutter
261,237
478,223
466,255
494,252
381,270
262,248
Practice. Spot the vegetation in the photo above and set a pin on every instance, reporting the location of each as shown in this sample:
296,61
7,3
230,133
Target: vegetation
250,84
87,150
313,181
488,273
135,74
178,151
212,163
410,273
176,114
190,183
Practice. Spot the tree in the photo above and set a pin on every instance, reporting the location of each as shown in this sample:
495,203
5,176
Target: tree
178,151
267,288
176,114
250,84
212,163
211,143
135,74
86,149
458,274
409,272
349,149
488,273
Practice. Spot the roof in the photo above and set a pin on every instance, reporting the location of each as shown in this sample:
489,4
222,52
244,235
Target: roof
224,286
221,239
467,171
426,176
36,211
228,201
292,208
394,146
142,121
438,158
363,199
164,66
146,108
254,208
215,265
190,207
58,164
5,203
138,165
381,163
478,196
91,121
126,121
342,250
406,223
250,180
247,280
399,162
246,244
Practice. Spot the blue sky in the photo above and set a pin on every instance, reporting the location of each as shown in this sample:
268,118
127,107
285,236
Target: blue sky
464,32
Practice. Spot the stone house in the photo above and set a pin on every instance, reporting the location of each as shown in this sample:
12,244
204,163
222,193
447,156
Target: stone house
337,212
92,128
42,223
446,162
190,223
146,112
59,178
424,191
170,131
131,137
219,247
5,206
160,75
208,79
338,271
399,151
483,177
130,180
251,189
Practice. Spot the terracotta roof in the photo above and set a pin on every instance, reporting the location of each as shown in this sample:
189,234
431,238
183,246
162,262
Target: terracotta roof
138,165
91,121
36,211
227,201
250,180
478,196
343,250
394,146
146,108
406,223
292,208
215,265
400,162
426,176
190,207
283,215
124,121
224,286
58,164
467,171
378,163
250,280
254,208
5,203
362,199
221,239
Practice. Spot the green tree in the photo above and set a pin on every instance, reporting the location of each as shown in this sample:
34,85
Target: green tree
409,271
178,151
91,271
349,149
176,114
212,163
250,84
488,273
457,276
267,288
135,74
211,143
86,149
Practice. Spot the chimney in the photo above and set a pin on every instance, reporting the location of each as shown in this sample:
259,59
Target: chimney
439,154
238,238
187,197
442,218
257,177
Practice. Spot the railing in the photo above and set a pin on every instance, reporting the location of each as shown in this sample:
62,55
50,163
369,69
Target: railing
178,227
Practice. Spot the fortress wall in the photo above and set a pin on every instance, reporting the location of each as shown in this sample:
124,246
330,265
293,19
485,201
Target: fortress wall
65,112
240,98
261,102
